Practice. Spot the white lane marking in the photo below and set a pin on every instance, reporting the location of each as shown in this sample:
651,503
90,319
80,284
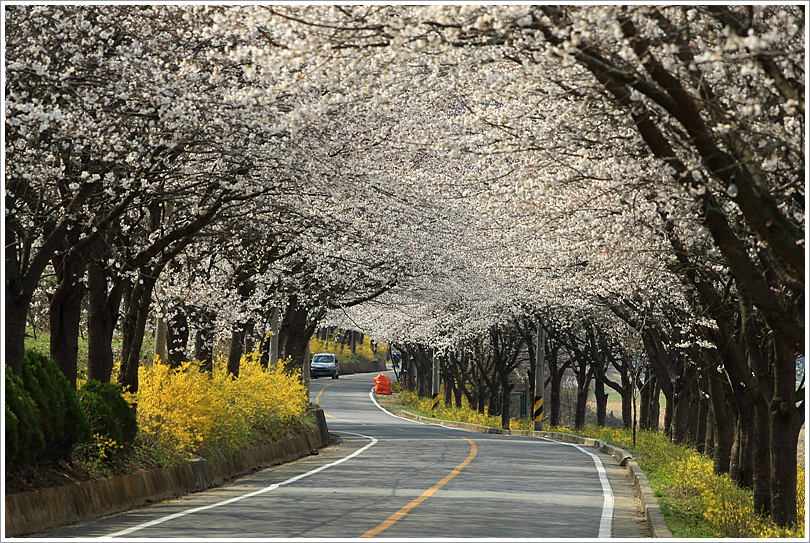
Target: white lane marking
606,524
249,495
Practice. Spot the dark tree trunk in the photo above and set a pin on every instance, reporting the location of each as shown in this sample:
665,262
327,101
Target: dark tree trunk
645,400
177,334
584,375
102,317
761,458
21,283
741,460
556,386
684,406
65,318
506,405
449,388
65,306
16,313
582,406
204,340
601,401
483,395
708,438
138,300
295,330
237,348
409,370
655,408
785,422
492,407
722,421
704,413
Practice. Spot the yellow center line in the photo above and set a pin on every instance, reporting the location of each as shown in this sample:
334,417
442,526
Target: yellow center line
318,397
346,420
318,401
425,495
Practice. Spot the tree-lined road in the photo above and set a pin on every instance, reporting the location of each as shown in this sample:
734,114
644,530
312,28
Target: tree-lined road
392,478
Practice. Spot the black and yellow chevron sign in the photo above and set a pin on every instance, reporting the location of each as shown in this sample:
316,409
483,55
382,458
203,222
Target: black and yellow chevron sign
538,409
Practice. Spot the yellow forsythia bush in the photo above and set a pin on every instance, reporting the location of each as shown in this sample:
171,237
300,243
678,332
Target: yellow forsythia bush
192,412
721,508
362,351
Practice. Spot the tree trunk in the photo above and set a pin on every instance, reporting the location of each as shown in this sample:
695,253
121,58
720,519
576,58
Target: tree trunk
722,421
761,458
704,413
138,300
449,388
785,421
556,385
646,394
102,316
65,317
582,406
506,405
601,401
741,461
655,408
204,339
295,331
683,409
177,334
16,313
239,335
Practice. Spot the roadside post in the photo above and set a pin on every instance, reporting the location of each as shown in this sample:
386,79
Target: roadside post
435,383
539,377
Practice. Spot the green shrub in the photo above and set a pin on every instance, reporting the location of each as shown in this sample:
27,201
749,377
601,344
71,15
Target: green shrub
24,439
61,418
108,412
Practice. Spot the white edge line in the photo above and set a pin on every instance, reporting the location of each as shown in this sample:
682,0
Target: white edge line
606,524
274,486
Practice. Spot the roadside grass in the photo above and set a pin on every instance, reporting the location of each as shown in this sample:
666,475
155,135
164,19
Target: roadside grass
695,502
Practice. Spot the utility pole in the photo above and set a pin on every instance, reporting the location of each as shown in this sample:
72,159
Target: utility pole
539,377
435,383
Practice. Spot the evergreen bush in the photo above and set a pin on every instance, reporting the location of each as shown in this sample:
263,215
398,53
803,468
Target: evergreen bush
62,420
108,412
24,439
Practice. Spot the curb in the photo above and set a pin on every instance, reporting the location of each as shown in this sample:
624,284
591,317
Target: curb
364,366
41,510
649,503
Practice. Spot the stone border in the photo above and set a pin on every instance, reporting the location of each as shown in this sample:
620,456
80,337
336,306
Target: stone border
649,503
42,510
362,366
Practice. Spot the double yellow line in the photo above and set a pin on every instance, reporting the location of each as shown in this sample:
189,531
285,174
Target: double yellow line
387,523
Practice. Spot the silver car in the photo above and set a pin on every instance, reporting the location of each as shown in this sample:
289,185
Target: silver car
324,364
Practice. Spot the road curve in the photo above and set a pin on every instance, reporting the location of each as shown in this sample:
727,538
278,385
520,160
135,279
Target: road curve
388,477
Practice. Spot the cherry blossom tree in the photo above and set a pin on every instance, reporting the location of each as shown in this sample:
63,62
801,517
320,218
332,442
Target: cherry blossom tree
431,174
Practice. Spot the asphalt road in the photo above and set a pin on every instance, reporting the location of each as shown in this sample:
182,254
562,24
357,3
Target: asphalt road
388,477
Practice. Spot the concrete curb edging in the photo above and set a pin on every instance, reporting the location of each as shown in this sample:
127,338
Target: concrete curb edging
649,503
37,511
362,366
